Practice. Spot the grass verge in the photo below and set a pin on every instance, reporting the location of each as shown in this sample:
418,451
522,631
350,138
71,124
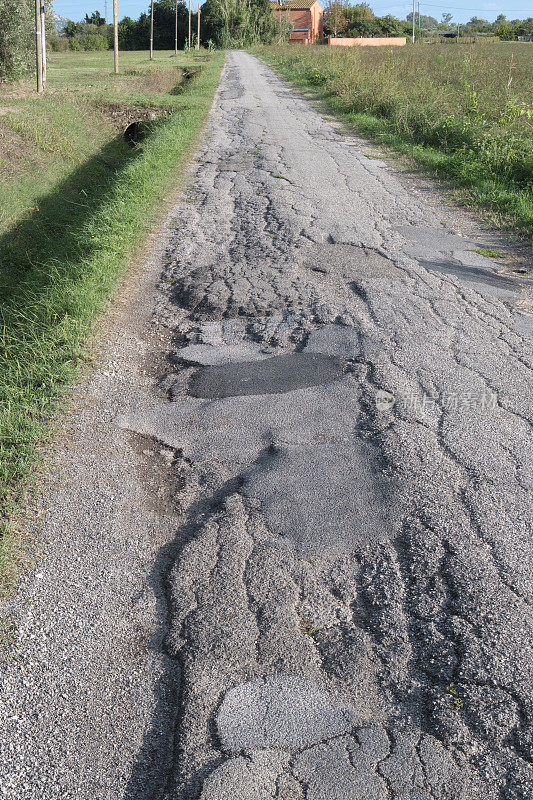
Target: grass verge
462,113
76,200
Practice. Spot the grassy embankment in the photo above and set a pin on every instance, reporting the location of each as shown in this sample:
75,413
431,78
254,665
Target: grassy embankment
75,200
465,112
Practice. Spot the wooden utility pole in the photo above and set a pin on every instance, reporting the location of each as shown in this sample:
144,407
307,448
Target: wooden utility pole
39,46
198,36
189,39
176,31
43,40
115,34
152,30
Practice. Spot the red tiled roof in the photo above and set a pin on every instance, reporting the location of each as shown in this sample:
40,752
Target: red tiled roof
296,5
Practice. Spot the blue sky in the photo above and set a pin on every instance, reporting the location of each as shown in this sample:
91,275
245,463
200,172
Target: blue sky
462,10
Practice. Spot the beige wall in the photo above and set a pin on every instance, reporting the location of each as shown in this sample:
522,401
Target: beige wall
391,41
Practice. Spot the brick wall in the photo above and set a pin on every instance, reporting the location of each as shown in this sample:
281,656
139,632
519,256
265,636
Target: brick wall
310,19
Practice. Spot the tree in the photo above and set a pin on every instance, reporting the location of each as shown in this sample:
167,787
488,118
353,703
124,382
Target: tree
524,27
475,25
390,26
71,28
358,13
95,19
17,38
164,16
135,34
426,23
239,23
445,22
477,22
361,20
335,20
505,31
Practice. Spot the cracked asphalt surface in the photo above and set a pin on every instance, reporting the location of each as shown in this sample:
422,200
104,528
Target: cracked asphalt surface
314,507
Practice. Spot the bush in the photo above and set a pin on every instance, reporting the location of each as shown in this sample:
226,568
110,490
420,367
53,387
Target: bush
17,39
57,44
91,41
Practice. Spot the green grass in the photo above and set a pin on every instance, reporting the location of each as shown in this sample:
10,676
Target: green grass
490,252
464,113
75,201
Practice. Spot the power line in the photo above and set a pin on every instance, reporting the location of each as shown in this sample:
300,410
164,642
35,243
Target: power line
451,8
484,10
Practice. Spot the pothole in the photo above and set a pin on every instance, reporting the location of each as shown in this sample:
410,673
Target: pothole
271,376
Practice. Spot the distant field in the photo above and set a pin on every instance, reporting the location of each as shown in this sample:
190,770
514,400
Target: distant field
75,199
463,111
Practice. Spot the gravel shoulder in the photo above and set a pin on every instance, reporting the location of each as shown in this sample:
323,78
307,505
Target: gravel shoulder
286,553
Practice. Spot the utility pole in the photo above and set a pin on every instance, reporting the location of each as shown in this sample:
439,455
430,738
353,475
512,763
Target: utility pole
414,17
176,31
115,34
151,30
198,36
418,14
189,38
105,11
38,46
43,40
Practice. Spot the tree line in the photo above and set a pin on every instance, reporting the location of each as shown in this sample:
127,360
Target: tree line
224,23
342,19
238,23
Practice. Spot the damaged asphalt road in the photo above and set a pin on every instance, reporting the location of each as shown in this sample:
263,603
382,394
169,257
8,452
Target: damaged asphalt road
344,575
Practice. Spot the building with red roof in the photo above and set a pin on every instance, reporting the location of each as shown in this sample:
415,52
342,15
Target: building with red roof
306,17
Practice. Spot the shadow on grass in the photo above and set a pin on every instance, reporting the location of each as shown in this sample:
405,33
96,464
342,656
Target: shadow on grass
51,243
189,75
51,287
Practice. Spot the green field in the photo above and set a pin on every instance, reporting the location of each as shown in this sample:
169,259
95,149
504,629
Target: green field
75,200
465,112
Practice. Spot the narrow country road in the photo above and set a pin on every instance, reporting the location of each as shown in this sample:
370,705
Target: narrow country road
286,553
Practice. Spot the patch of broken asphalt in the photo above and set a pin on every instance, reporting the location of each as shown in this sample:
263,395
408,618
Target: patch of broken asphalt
298,563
